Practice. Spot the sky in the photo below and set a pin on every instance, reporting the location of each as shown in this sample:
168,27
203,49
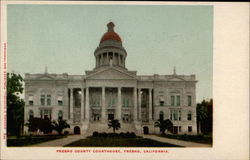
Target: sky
157,39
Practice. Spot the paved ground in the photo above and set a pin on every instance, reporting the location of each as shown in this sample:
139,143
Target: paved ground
64,141
176,142
59,142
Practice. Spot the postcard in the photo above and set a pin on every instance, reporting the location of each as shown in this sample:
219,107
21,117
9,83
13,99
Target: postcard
128,80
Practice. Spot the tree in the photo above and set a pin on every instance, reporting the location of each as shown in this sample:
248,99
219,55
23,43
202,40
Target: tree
164,125
33,124
60,125
204,113
15,105
44,125
115,124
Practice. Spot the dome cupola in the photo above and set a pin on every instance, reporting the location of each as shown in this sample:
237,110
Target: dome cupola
110,51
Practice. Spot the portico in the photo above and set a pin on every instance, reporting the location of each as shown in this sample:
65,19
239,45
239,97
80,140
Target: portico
105,103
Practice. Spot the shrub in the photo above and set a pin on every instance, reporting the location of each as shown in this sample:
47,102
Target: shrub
95,134
113,135
66,132
127,135
133,135
121,134
103,134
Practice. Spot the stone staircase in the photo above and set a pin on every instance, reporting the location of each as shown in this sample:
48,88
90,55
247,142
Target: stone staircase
103,127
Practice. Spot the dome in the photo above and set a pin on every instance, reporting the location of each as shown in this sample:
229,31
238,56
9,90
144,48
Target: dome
110,34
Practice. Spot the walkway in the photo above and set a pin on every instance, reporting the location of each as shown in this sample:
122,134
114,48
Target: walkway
176,142
59,142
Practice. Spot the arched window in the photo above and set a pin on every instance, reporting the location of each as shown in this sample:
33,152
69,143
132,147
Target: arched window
189,116
31,114
179,115
60,115
161,115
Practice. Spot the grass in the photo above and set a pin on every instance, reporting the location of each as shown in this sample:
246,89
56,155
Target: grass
205,139
29,140
118,142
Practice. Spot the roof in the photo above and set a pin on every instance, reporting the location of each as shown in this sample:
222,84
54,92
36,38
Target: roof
110,34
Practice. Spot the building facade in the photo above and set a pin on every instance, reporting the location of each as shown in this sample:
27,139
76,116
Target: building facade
111,91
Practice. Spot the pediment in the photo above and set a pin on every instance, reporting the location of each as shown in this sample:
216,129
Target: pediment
110,73
176,79
45,77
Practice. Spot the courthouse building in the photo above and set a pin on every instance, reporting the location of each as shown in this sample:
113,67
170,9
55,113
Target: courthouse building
111,91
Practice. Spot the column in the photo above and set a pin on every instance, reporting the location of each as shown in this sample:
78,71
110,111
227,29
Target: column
82,104
119,59
150,104
101,59
135,104
97,61
124,61
103,105
119,104
139,103
66,102
87,105
71,104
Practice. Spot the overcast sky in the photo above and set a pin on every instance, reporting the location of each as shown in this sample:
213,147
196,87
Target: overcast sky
156,38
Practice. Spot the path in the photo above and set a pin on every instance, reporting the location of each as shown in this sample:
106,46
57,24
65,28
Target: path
59,142
176,142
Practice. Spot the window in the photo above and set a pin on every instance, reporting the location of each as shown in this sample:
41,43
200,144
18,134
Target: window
179,128
179,115
60,115
175,100
125,102
96,103
175,115
189,128
60,100
172,101
112,102
161,115
42,99
31,114
125,118
31,101
189,116
161,101
48,100
45,113
178,100
189,100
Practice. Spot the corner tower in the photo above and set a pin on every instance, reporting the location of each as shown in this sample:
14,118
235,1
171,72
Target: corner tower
110,51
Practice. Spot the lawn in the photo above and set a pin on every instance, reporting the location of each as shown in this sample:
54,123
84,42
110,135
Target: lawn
29,140
118,142
206,139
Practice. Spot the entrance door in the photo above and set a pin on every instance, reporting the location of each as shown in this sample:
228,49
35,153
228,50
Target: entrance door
175,130
77,130
145,130
110,117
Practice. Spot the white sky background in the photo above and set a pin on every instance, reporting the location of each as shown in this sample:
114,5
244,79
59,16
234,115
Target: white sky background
156,38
